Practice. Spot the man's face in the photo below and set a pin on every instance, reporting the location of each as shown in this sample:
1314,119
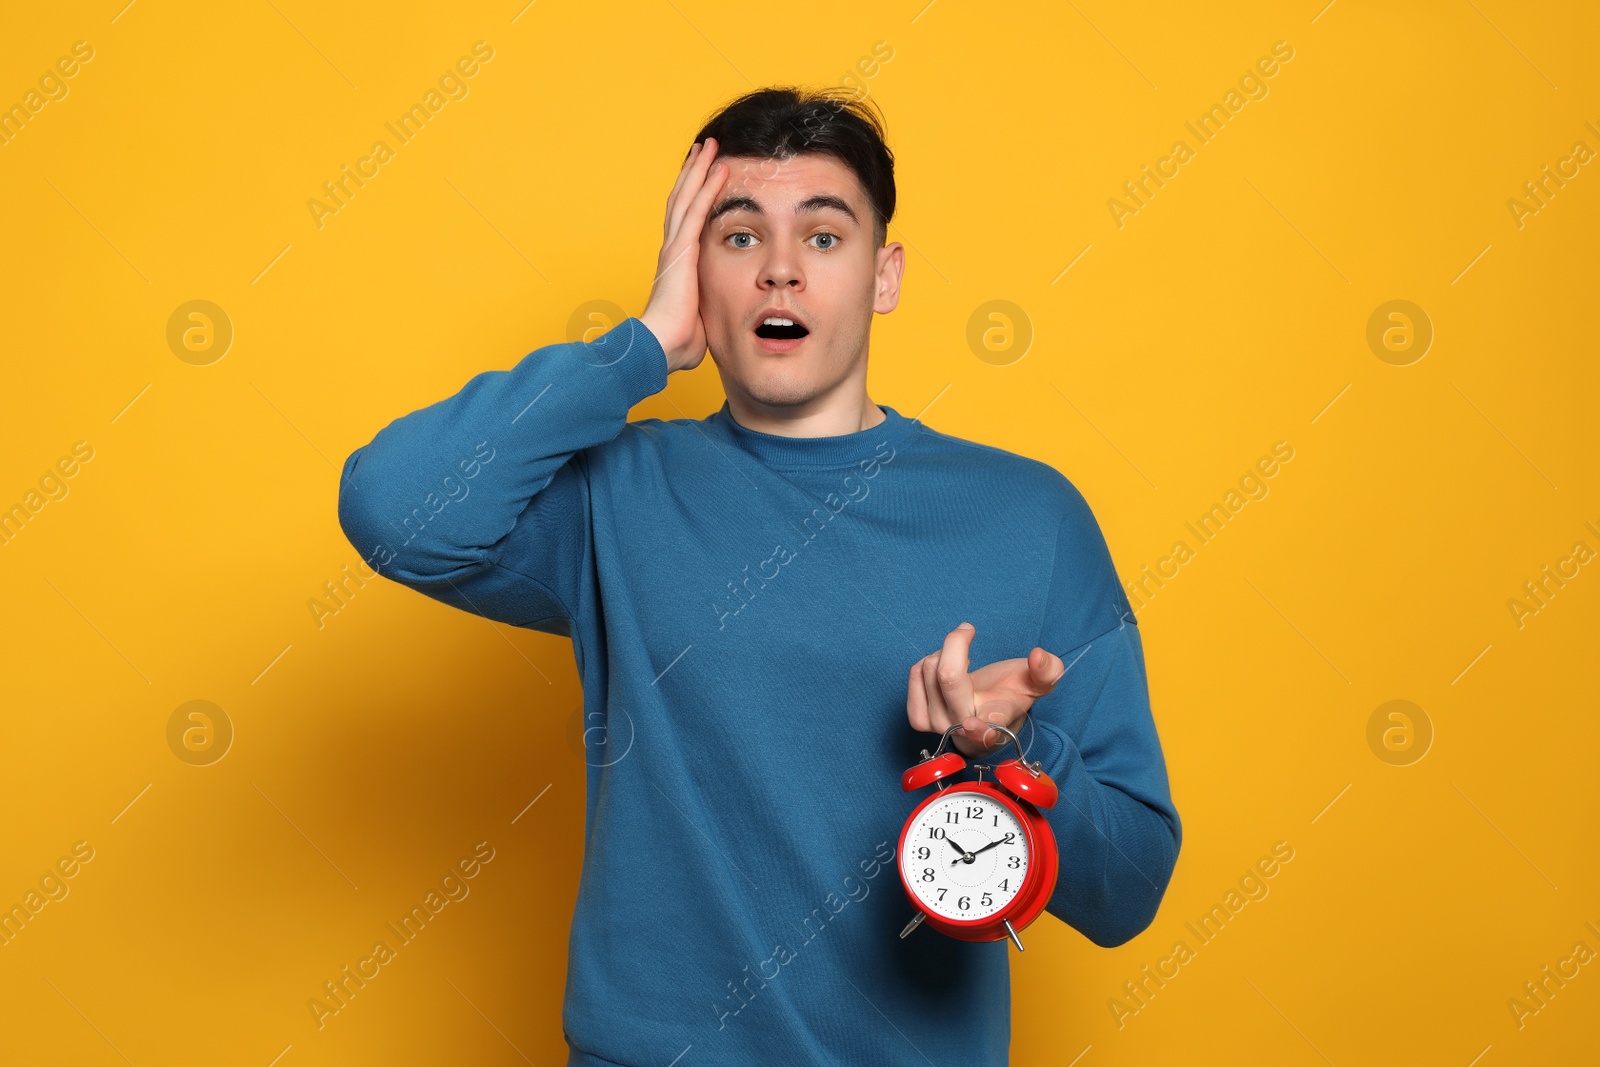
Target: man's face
795,235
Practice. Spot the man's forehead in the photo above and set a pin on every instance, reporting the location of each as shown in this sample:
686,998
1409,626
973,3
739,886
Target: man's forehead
756,184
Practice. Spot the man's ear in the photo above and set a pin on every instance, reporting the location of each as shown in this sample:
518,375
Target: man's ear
891,266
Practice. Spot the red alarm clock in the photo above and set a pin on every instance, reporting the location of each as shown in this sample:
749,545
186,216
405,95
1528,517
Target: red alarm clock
978,859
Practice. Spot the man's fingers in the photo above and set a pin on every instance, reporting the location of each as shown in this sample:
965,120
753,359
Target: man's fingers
951,673
945,683
672,197
1045,669
938,714
694,219
977,729
917,701
693,185
941,692
684,189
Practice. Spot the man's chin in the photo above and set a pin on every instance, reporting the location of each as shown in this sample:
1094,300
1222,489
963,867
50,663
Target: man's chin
771,386
787,380
782,394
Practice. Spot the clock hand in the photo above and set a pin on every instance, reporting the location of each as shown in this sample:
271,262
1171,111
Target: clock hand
964,853
985,848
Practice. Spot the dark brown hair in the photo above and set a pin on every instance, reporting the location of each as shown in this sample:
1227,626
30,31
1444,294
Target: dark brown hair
782,122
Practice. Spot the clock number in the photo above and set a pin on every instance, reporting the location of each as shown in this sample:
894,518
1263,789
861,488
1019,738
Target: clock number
997,820
975,811
922,852
1013,862
1005,885
987,902
964,903
927,874
936,832
942,892
1010,837
952,815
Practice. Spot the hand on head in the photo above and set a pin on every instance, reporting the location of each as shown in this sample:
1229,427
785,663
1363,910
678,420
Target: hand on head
673,311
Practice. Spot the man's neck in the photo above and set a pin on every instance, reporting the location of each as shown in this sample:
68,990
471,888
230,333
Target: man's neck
822,417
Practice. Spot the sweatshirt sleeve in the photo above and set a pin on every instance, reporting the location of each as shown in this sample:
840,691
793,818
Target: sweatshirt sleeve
1115,825
481,500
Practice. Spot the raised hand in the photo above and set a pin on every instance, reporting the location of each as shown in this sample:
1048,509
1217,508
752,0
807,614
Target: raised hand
673,311
940,692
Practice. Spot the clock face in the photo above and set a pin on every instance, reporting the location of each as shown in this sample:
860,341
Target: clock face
965,856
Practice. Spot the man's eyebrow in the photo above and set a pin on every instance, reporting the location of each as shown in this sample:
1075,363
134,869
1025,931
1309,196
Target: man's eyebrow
825,200
809,204
734,203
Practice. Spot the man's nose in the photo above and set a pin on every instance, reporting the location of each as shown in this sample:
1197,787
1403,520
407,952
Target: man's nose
782,270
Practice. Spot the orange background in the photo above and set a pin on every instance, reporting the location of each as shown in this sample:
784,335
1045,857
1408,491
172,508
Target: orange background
377,745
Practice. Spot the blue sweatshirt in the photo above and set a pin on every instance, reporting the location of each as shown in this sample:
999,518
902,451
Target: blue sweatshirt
744,610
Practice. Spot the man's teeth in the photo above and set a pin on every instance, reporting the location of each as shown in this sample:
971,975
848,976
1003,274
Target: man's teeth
777,322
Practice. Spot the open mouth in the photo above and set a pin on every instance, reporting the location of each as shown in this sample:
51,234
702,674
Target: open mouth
779,328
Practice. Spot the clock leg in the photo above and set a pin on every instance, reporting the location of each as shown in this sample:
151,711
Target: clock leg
912,925
1010,930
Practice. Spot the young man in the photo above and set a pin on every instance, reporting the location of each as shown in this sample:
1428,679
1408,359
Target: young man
761,604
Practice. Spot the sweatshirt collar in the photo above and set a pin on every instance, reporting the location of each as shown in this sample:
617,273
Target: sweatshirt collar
815,453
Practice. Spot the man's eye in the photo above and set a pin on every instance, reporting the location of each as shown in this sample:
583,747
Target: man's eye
741,233
833,238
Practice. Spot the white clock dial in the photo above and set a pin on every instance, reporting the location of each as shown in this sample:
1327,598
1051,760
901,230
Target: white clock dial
965,856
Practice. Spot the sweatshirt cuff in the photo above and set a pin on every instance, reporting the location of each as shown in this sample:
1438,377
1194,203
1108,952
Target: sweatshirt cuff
634,356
